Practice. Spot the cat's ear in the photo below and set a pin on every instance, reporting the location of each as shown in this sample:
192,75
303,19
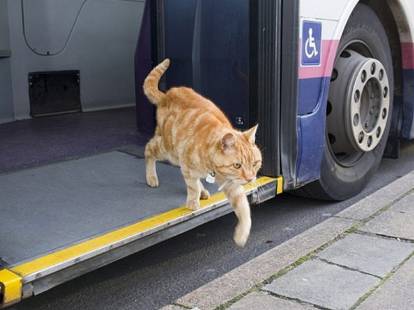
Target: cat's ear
251,134
227,142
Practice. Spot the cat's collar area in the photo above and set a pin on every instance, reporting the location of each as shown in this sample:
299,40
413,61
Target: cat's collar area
211,177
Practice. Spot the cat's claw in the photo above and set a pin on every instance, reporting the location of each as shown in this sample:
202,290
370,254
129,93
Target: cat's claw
204,194
152,181
193,205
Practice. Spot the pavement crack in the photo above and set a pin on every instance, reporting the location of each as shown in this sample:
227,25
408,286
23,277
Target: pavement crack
348,268
181,306
371,234
297,300
388,206
381,283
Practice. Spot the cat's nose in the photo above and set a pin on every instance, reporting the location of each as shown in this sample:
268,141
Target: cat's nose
250,179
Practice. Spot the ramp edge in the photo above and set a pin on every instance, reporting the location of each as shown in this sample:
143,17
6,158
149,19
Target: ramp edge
10,288
46,265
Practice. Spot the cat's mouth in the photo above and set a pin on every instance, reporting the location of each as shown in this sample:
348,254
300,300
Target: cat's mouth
240,181
244,182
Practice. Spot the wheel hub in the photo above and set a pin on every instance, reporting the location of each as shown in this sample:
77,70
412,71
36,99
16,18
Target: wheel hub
358,104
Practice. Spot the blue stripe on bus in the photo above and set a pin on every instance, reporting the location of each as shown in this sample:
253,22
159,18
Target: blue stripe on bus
313,95
309,92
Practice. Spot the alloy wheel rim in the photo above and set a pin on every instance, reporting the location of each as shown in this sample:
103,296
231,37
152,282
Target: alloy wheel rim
358,106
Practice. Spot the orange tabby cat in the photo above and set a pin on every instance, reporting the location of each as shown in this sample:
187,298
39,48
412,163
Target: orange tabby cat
194,134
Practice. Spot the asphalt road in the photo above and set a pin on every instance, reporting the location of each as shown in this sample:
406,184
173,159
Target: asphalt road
162,273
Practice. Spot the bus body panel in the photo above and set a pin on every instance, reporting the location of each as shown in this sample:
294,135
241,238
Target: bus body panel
314,80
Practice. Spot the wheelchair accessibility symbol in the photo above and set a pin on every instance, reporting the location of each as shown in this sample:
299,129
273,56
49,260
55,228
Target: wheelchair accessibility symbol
310,46
311,43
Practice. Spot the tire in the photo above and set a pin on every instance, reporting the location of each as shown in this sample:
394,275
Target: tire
364,33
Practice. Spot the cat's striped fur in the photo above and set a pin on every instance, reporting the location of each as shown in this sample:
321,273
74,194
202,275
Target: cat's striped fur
193,133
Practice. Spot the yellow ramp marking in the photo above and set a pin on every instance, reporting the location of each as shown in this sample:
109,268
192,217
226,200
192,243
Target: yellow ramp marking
77,250
279,189
10,287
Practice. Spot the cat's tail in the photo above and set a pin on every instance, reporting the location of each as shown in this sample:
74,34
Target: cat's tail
150,87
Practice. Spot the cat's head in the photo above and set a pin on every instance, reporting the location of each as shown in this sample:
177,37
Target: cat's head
238,158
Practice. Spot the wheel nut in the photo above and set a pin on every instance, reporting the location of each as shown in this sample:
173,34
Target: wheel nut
373,68
361,137
381,75
385,92
356,120
369,142
378,132
364,76
357,95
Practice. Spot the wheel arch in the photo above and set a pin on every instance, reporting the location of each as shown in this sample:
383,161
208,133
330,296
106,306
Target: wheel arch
405,28
395,33
312,95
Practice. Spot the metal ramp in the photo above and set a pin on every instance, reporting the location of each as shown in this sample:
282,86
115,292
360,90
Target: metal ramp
62,220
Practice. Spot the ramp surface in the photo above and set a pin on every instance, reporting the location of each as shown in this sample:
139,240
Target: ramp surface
50,207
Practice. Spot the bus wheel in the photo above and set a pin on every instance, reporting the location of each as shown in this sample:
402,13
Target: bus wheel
359,108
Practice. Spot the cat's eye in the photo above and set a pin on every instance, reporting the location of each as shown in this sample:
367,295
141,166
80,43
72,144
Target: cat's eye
237,165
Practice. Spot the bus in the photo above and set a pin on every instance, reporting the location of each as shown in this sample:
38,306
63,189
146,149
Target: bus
331,84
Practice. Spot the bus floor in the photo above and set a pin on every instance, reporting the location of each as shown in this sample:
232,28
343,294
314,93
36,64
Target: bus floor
54,206
35,142
68,178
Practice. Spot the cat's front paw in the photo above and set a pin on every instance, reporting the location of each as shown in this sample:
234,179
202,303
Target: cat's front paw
152,181
241,234
193,205
240,239
204,194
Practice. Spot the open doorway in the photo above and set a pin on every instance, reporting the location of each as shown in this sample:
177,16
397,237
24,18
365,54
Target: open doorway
67,79
72,172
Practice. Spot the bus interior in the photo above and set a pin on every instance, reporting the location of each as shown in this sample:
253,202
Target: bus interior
74,122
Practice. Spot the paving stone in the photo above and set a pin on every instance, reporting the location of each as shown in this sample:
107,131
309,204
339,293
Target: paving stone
242,278
396,293
404,205
374,255
379,199
324,285
394,222
265,301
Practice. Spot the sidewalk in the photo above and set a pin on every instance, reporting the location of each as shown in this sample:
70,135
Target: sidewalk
362,258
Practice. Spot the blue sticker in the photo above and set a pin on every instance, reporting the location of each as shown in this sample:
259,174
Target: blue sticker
311,43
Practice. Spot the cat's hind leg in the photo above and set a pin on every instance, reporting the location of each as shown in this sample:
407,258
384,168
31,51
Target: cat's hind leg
204,194
153,153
